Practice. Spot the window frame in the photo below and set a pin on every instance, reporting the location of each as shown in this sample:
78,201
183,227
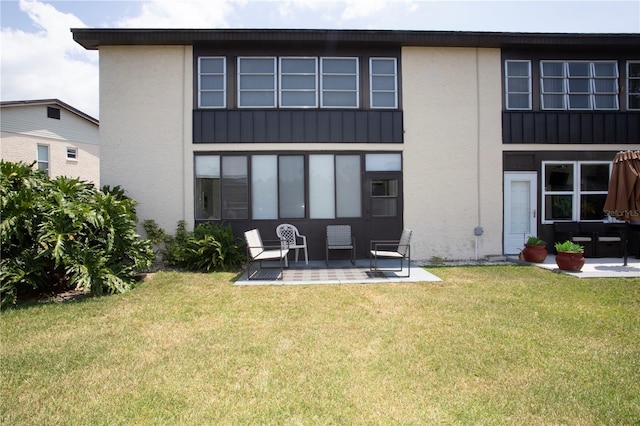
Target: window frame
372,91
629,80
282,74
224,83
274,91
74,156
40,163
576,193
355,75
566,78
507,78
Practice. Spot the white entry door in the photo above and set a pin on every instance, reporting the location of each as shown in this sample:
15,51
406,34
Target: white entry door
520,209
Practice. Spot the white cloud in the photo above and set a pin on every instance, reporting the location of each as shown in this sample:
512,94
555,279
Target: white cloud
182,14
47,63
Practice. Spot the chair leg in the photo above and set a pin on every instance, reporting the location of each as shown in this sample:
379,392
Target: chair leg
306,256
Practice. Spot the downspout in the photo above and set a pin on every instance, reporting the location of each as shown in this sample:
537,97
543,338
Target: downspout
478,229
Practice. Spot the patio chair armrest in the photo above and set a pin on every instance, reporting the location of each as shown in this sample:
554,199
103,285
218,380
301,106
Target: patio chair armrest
374,244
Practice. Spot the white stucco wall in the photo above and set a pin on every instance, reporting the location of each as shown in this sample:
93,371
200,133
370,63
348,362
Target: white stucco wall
452,151
145,127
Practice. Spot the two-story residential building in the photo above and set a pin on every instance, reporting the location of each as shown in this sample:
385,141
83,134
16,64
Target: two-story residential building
61,139
472,140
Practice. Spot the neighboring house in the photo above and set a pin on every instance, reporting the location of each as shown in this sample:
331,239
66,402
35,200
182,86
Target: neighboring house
472,140
61,139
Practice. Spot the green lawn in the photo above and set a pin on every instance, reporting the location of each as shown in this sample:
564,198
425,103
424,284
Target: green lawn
488,345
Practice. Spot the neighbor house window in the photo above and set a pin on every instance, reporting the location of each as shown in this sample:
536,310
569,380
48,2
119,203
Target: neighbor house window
339,82
212,82
633,85
257,82
579,85
383,82
72,153
43,158
53,113
517,84
299,82
574,191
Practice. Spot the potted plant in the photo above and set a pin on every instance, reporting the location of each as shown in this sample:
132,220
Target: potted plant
569,256
535,250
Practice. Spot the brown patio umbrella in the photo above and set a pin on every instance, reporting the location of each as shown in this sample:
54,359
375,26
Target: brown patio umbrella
623,198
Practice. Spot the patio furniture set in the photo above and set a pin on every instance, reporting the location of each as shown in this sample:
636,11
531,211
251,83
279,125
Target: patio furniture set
338,237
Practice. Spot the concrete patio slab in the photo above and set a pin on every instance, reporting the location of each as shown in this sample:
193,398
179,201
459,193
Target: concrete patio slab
606,267
337,272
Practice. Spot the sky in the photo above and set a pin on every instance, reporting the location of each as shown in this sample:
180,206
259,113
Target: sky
40,60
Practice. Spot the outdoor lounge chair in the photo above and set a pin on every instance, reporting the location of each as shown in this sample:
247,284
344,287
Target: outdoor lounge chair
397,249
258,252
293,239
339,238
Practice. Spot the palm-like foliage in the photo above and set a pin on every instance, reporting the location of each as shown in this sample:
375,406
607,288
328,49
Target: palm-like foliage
64,230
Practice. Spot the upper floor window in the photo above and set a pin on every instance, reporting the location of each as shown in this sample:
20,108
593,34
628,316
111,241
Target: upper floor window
299,82
257,82
579,85
633,85
212,82
339,82
53,113
383,82
518,84
72,153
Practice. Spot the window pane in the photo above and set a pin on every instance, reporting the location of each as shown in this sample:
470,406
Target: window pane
339,82
321,187
579,86
264,186
550,69
606,101
265,82
298,82
43,153
552,85
257,99
634,69
518,85
348,186
553,101
605,69
579,69
383,66
208,166
634,102
339,99
559,207
383,100
558,177
579,102
383,83
212,82
594,177
602,85
207,198
211,99
519,101
383,162
212,65
298,65
298,99
384,193
591,206
291,186
517,68
257,65
235,191
339,66
634,86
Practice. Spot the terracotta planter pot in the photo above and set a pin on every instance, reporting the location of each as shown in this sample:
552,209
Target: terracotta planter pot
535,254
568,261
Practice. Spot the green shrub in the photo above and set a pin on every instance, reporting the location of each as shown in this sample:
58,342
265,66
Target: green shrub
64,233
569,246
208,248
